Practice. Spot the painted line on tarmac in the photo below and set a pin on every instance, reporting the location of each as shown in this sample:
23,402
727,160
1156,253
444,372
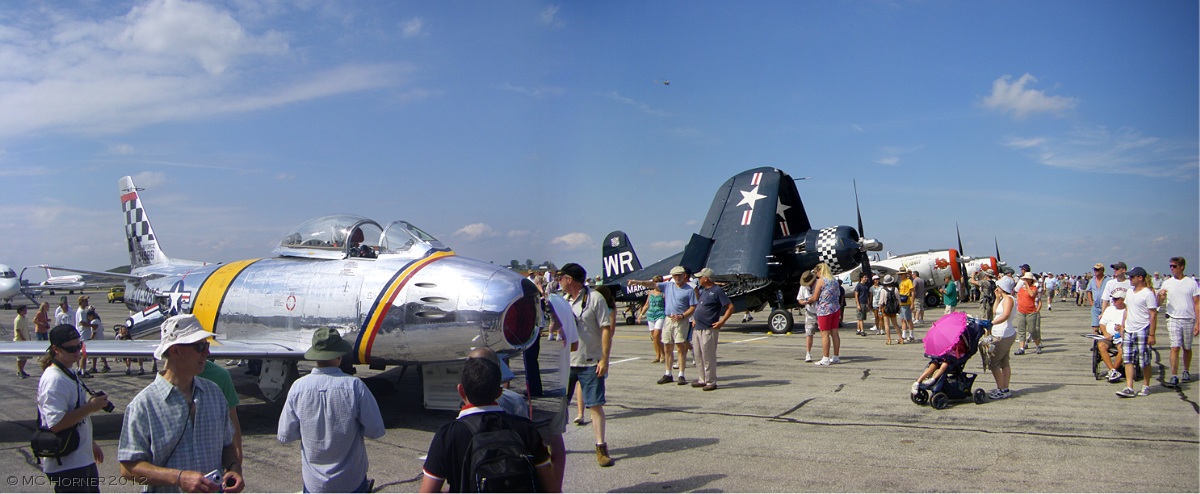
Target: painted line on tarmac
626,360
751,339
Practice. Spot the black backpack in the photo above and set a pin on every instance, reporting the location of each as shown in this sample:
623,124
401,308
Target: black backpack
497,459
891,302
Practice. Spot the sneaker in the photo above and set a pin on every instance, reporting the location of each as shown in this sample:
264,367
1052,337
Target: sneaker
87,375
1039,350
916,387
602,455
141,372
1145,391
710,386
698,384
229,363
106,368
999,394
1114,376
681,381
824,362
93,371
1020,351
929,382
835,360
808,357
1172,383
1126,393
128,372
580,420
665,379
1187,377
1005,393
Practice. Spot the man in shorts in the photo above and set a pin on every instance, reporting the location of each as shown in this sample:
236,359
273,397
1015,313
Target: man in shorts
918,301
1095,288
589,363
1182,297
1141,321
680,299
862,299
906,305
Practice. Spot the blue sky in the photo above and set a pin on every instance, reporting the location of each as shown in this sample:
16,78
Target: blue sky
1066,130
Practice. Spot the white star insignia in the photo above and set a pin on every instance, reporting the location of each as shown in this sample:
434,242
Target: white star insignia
750,197
780,207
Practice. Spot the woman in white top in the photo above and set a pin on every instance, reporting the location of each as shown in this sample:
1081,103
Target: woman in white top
63,404
1005,335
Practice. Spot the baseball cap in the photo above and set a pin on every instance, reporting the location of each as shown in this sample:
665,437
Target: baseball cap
1119,292
180,330
678,270
573,270
327,344
62,334
1137,271
705,272
1119,265
1025,267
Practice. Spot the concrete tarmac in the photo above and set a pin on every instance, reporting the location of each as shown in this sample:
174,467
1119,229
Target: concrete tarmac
776,424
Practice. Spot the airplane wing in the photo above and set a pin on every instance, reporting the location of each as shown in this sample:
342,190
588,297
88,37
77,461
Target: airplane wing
94,278
221,349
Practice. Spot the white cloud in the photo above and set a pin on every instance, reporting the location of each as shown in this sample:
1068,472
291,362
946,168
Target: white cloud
572,241
165,60
889,161
667,244
475,231
1124,151
1015,98
549,17
892,154
413,28
536,92
150,179
642,107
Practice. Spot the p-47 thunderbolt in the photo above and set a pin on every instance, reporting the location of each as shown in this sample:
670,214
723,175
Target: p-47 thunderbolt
398,293
758,241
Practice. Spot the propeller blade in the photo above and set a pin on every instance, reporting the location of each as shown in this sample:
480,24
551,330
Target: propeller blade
959,234
997,249
866,259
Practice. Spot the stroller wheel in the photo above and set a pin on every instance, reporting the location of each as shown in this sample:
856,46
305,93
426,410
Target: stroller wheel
980,396
939,401
921,398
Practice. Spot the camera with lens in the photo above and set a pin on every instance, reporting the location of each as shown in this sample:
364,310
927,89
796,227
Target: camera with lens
108,407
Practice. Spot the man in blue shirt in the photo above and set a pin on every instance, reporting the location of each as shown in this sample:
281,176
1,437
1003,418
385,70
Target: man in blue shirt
713,309
680,299
330,412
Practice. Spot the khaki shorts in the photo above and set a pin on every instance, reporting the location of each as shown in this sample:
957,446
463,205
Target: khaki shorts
1000,358
675,331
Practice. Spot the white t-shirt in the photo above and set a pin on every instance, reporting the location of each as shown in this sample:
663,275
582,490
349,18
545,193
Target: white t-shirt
1137,309
82,325
1180,297
804,294
1111,318
57,395
1113,284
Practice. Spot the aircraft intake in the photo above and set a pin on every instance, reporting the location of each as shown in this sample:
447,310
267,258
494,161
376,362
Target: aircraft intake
520,319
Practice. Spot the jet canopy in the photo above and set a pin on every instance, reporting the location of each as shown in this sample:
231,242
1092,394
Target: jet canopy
344,236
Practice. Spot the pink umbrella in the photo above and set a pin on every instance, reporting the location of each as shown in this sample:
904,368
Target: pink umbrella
945,333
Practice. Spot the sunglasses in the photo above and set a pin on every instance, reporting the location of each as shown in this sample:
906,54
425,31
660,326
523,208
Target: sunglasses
72,348
199,347
1173,266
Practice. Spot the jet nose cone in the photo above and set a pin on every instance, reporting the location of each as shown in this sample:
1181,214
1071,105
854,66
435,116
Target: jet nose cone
519,299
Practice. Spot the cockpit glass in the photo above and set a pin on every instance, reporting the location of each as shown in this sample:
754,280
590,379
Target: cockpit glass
8,273
332,237
401,237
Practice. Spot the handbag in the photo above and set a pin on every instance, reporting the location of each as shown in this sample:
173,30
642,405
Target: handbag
46,443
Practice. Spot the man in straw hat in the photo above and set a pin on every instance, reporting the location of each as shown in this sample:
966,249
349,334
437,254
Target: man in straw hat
177,430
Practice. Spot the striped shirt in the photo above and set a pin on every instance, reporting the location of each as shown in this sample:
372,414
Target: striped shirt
162,428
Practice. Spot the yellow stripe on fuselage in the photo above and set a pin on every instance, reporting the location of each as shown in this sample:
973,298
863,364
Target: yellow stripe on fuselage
385,302
212,292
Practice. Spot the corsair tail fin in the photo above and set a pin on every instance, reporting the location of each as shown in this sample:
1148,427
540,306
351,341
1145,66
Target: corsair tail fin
619,257
143,245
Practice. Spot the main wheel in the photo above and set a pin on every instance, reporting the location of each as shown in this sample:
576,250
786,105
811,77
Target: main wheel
921,398
780,321
631,320
939,400
979,396
1096,360
932,300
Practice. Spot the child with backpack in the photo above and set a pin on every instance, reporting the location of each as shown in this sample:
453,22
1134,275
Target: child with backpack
486,449
891,307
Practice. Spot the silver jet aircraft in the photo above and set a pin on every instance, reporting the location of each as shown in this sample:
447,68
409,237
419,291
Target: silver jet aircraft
398,293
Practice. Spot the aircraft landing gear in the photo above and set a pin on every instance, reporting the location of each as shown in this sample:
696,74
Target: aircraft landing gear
932,300
780,321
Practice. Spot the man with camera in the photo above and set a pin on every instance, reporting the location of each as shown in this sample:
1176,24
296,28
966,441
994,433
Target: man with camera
64,408
178,428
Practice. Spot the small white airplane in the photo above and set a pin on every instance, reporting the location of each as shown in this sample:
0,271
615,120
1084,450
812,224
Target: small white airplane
10,286
69,282
933,266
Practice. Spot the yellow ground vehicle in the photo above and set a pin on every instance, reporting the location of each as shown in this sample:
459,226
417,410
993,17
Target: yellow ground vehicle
116,294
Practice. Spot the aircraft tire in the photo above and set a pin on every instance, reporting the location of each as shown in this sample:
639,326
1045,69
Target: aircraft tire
631,320
932,300
780,321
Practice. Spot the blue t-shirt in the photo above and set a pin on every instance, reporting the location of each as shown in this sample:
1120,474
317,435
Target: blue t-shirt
677,298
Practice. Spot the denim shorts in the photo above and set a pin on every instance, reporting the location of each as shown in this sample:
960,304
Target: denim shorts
592,385
906,312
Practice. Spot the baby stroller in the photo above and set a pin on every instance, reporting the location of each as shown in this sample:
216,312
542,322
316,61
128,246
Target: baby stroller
953,339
